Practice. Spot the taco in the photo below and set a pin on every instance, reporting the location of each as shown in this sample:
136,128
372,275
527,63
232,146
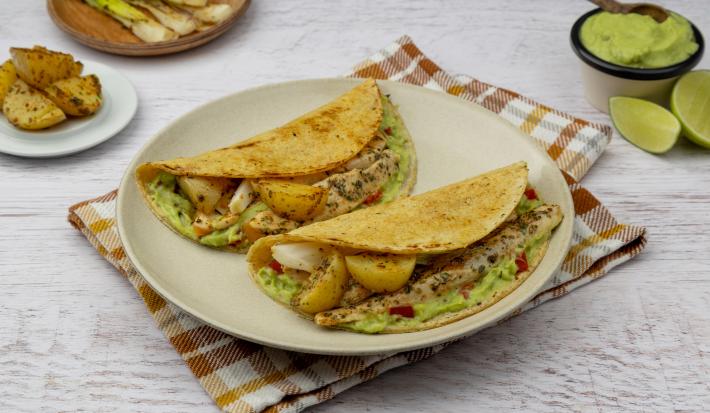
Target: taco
351,153
415,264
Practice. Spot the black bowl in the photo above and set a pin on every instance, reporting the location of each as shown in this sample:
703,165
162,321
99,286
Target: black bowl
632,72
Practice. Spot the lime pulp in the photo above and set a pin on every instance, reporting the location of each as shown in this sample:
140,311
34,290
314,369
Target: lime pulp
690,102
645,124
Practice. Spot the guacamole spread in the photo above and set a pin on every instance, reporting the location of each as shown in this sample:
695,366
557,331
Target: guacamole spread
639,41
395,131
174,206
280,287
179,211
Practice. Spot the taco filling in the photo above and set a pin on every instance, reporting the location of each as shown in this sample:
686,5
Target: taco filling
232,212
355,288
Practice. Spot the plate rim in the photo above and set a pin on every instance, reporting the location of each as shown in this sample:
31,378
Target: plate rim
127,178
180,44
108,135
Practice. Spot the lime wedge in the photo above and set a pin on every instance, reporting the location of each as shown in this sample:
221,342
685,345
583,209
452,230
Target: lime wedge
647,125
690,101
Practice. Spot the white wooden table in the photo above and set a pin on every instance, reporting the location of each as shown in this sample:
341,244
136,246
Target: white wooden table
75,336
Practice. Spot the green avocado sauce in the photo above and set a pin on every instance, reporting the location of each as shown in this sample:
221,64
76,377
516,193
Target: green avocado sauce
634,40
180,212
279,287
527,205
396,142
175,207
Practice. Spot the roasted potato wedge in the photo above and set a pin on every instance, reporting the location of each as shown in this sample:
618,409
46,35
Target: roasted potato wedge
40,67
27,108
291,200
204,192
76,96
381,273
8,75
325,286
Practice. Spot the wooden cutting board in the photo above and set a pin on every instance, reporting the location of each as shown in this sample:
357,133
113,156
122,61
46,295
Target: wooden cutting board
100,31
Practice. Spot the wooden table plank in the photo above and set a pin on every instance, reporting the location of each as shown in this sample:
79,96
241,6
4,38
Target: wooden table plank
75,336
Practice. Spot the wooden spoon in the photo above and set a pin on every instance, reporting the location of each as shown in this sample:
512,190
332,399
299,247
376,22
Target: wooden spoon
658,13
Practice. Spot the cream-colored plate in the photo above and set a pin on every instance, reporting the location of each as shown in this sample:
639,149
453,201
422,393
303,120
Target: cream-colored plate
454,140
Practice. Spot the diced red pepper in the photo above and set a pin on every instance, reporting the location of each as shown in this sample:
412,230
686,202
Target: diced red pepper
388,130
373,198
466,293
521,261
276,266
530,194
404,311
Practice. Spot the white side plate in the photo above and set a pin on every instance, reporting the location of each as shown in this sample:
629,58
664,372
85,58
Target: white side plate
77,134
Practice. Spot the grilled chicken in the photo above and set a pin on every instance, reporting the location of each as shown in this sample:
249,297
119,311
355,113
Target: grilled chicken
453,270
367,156
267,223
349,189
354,293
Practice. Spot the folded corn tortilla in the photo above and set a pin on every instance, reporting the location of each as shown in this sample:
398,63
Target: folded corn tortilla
469,238
332,141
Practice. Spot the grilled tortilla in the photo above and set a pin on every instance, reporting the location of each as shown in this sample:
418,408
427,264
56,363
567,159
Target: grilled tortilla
351,153
415,264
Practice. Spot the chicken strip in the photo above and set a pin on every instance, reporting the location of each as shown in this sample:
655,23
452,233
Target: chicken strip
349,189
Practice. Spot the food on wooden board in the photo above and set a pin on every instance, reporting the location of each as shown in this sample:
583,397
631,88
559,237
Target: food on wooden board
159,21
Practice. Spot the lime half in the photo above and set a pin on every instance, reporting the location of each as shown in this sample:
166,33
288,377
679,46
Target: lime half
690,101
647,125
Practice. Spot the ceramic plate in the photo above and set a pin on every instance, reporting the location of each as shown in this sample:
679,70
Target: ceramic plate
454,139
77,134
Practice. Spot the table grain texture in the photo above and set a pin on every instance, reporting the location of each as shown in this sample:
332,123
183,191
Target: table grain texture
74,335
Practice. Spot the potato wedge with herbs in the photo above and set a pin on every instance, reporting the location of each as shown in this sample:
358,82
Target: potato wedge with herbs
27,108
381,273
40,67
325,286
8,75
291,200
76,96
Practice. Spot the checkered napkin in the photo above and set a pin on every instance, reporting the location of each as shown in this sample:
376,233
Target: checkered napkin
245,377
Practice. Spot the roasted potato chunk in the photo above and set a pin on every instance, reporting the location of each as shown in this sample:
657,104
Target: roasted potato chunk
8,75
76,96
325,286
204,192
27,108
381,273
291,200
40,67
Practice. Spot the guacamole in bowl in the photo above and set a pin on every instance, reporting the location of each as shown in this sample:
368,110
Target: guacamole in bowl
633,55
634,46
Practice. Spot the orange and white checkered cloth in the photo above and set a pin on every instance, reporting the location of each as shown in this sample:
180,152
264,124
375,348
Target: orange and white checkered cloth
245,377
